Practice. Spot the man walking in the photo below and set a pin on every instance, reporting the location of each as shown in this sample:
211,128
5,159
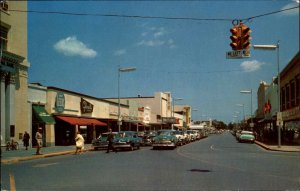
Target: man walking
26,138
110,139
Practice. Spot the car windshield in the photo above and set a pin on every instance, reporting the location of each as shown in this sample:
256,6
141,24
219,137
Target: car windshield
247,133
167,133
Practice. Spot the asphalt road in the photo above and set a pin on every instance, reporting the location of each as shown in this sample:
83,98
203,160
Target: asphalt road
215,163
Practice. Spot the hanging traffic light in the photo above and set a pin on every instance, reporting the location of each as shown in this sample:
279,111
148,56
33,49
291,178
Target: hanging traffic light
245,36
235,38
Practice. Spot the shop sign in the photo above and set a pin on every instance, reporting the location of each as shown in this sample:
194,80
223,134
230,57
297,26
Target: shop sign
131,119
85,106
60,102
169,120
290,114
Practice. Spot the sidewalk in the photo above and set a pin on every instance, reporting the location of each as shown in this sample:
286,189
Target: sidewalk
23,155
282,148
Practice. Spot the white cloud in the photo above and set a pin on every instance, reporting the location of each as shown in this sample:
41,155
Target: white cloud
294,3
251,66
70,46
120,52
156,36
151,43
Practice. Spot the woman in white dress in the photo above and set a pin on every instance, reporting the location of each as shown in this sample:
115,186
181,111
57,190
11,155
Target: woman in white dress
79,143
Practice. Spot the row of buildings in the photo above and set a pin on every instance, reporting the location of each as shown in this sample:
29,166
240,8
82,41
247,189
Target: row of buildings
267,119
60,112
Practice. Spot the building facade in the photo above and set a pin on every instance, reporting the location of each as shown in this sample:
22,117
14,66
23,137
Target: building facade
266,128
13,71
290,99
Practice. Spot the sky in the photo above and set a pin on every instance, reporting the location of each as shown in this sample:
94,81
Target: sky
82,52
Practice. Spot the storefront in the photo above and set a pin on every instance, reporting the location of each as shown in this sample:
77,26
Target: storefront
67,126
290,101
76,112
40,119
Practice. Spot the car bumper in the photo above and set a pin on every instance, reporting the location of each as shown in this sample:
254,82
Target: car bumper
121,145
163,144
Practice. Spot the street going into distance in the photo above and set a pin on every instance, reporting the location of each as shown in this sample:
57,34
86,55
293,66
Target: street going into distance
217,162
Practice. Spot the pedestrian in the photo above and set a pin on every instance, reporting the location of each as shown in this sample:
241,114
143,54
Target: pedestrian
110,138
39,140
26,138
79,142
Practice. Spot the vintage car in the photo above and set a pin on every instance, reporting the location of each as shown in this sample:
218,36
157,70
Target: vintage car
193,135
181,138
246,136
147,138
165,139
127,140
101,142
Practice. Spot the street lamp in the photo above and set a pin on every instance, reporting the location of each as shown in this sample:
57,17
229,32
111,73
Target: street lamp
249,92
175,99
279,120
119,108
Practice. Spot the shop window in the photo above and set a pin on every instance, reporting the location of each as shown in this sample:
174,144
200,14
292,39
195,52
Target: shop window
12,130
298,90
283,104
3,37
287,96
293,93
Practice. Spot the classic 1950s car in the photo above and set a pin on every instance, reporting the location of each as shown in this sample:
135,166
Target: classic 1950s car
101,142
165,139
127,139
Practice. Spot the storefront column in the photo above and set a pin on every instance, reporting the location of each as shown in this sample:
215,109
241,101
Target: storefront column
2,108
50,132
94,132
10,107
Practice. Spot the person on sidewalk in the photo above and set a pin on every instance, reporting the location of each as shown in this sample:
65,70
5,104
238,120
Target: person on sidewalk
39,140
110,138
79,142
26,138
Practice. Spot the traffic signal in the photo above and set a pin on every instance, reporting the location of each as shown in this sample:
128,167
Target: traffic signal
245,36
235,38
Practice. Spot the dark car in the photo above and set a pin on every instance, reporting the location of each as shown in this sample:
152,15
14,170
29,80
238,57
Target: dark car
101,142
147,138
127,140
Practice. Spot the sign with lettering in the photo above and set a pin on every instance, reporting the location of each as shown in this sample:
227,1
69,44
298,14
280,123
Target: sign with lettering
60,102
85,106
169,120
235,54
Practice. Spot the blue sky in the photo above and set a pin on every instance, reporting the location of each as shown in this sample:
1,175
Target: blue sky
184,57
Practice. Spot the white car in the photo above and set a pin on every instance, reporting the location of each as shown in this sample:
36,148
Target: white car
180,137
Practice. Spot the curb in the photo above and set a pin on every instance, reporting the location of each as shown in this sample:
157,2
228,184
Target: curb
275,149
18,159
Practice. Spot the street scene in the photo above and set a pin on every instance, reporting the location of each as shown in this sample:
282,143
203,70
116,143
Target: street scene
217,162
150,95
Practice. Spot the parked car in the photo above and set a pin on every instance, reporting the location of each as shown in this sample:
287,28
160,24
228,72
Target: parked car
187,137
238,134
192,134
165,139
147,139
180,137
246,136
127,140
101,142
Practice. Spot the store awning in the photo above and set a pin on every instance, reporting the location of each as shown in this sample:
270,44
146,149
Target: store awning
42,115
81,121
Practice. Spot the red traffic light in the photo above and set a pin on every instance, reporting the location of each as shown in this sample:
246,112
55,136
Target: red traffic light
245,36
235,38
